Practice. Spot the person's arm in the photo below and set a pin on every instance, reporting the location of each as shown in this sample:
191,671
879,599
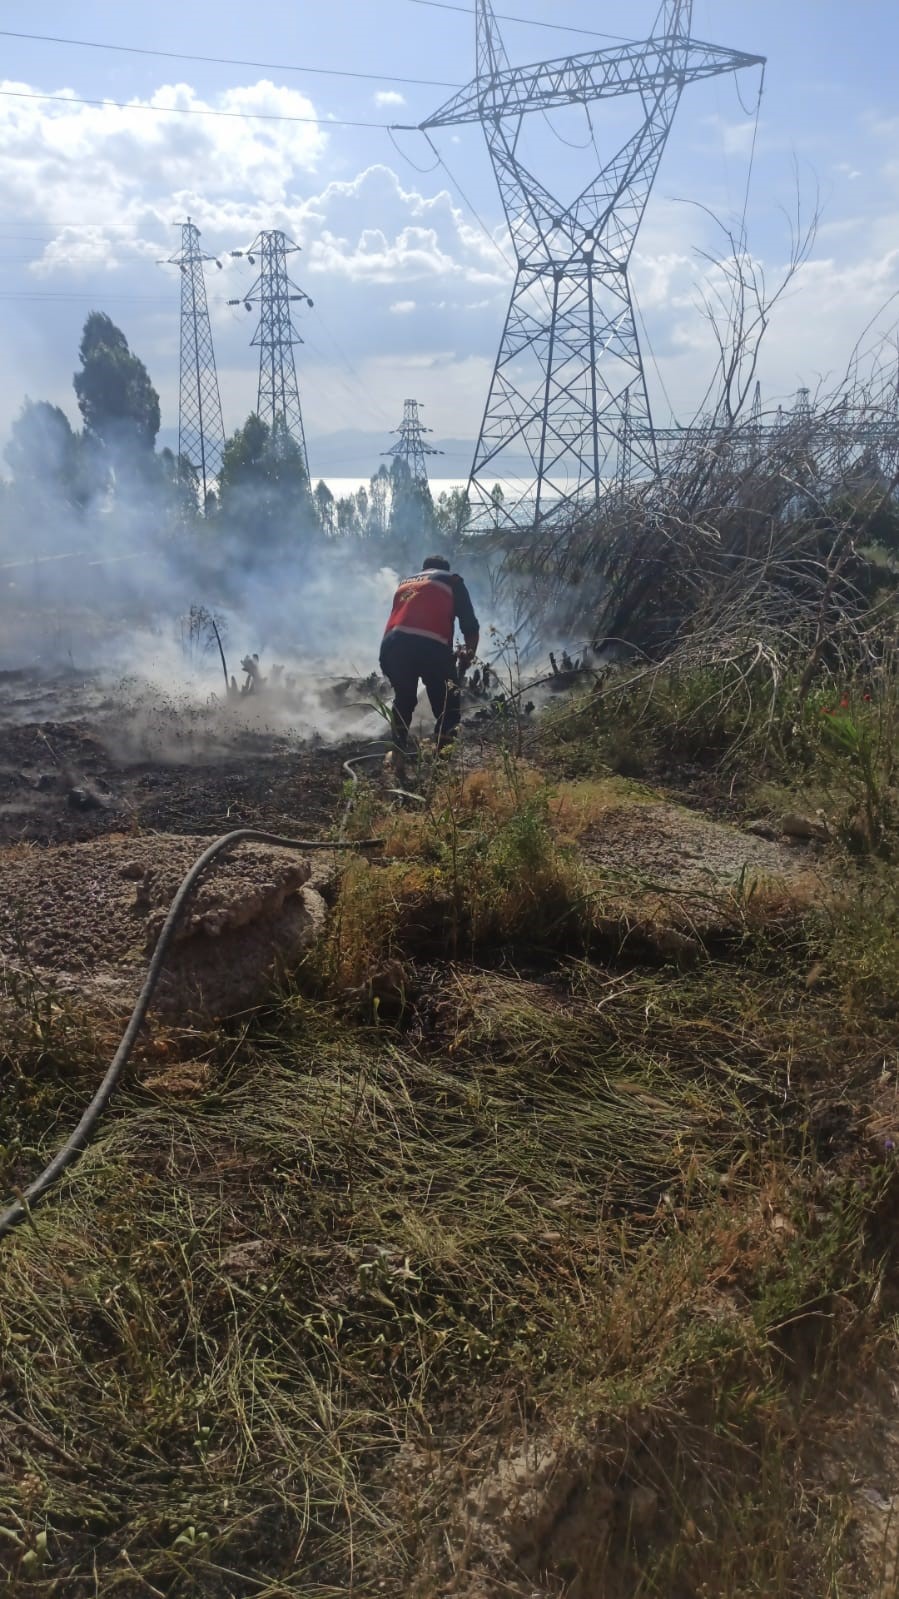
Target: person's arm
468,622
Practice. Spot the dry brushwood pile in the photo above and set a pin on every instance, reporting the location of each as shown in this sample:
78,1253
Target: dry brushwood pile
534,1236
762,537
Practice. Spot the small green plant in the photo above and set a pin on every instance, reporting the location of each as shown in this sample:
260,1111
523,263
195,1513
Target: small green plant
859,750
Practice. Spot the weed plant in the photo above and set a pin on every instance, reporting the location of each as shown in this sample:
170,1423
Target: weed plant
478,864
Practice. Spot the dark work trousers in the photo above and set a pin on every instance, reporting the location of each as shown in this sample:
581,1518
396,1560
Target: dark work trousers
406,658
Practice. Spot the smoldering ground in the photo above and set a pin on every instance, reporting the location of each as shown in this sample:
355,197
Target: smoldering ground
137,603
114,707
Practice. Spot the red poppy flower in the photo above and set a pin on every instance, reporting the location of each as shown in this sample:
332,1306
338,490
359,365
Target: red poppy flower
867,698
844,703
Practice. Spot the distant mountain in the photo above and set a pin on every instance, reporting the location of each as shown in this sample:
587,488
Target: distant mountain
356,453
351,452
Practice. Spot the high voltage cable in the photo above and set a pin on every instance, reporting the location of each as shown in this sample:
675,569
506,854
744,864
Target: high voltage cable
228,61
190,111
65,294
475,213
5,235
529,22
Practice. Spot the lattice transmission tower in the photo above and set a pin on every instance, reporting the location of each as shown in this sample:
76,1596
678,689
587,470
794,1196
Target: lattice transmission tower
410,446
568,386
278,397
201,432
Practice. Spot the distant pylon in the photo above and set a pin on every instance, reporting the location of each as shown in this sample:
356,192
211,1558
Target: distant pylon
278,398
410,446
802,408
201,433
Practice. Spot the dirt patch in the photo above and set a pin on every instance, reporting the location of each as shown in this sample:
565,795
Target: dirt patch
83,918
671,866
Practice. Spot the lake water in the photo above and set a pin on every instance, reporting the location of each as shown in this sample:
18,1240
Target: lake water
341,486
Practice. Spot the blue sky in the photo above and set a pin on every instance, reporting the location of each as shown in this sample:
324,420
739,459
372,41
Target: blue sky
409,284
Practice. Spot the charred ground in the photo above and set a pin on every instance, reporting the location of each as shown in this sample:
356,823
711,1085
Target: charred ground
79,758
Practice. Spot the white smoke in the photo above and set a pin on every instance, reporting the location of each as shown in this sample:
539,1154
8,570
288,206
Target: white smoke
113,593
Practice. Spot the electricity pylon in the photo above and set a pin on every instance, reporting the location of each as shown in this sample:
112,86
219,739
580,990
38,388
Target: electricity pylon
410,446
278,397
201,433
568,386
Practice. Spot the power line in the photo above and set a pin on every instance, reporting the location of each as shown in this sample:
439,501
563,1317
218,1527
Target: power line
190,111
65,294
30,260
364,389
529,22
40,238
755,137
227,61
27,237
475,213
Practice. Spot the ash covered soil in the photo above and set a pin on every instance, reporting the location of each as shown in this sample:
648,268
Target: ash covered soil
80,759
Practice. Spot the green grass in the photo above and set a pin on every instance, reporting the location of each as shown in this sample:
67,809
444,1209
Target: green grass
763,729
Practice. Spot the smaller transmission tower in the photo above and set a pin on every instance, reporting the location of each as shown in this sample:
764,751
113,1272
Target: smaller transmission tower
410,446
278,399
201,433
802,407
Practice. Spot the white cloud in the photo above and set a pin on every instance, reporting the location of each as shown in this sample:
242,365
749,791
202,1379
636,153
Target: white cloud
416,237
402,307
106,165
734,138
388,97
882,127
738,137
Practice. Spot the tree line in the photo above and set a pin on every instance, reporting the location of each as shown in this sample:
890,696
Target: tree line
263,495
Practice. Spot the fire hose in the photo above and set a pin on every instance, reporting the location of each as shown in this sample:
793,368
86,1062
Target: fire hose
77,1140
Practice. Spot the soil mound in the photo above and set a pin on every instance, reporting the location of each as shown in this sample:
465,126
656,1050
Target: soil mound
82,919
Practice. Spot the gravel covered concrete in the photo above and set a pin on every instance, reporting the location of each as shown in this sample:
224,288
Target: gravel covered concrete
83,918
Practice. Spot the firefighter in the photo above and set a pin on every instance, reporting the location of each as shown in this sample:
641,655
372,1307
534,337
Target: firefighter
418,644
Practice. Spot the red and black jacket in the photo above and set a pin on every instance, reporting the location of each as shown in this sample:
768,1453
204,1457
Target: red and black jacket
427,606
